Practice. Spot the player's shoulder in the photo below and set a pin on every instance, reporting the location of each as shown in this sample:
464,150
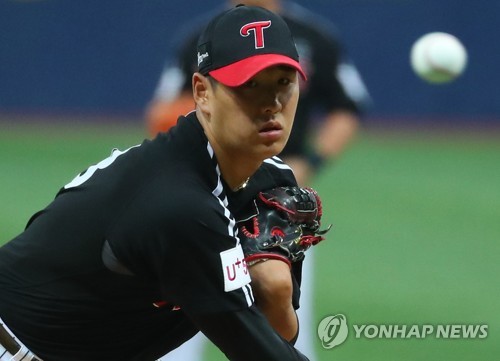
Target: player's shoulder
277,167
189,164
274,172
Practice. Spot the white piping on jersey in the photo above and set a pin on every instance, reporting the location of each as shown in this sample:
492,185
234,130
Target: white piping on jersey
277,162
247,290
85,176
218,192
210,150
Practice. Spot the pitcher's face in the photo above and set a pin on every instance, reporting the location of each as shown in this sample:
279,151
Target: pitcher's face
255,118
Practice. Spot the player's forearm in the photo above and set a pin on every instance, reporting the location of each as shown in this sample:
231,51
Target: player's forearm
283,321
272,287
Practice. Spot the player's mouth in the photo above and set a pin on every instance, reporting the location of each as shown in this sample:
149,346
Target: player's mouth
271,131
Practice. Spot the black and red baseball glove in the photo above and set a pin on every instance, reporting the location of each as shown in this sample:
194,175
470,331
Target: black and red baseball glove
286,224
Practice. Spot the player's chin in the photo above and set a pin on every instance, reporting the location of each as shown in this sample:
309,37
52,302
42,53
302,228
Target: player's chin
271,149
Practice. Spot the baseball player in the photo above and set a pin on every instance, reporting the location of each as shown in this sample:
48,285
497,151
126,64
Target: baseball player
140,252
328,115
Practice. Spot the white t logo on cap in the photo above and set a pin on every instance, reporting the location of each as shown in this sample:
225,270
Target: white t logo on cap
257,28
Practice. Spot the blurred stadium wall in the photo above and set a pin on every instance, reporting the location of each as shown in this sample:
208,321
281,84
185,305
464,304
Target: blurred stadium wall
105,57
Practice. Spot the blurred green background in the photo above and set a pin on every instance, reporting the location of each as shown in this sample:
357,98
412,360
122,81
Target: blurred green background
416,233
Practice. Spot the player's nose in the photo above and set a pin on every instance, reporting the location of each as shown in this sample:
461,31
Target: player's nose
271,103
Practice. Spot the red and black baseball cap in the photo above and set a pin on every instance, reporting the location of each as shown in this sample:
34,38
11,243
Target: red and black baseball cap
242,41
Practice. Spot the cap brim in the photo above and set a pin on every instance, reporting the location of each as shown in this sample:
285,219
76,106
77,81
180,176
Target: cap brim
238,73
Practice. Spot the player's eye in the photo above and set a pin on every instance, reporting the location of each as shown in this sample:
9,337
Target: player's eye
250,84
284,81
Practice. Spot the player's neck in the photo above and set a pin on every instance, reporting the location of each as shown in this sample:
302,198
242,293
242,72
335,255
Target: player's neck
236,172
236,165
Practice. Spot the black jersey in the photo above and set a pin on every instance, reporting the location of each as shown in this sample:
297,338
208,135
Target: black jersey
333,81
138,253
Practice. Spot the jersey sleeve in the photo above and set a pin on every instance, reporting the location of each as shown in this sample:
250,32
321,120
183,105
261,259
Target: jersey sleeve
246,335
211,275
185,242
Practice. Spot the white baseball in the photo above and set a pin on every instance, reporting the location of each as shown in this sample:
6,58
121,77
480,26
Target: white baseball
438,57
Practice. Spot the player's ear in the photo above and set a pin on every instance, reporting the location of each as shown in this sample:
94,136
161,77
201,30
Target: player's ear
201,90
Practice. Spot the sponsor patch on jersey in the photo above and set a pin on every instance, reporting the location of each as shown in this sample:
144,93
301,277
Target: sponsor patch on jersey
234,268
